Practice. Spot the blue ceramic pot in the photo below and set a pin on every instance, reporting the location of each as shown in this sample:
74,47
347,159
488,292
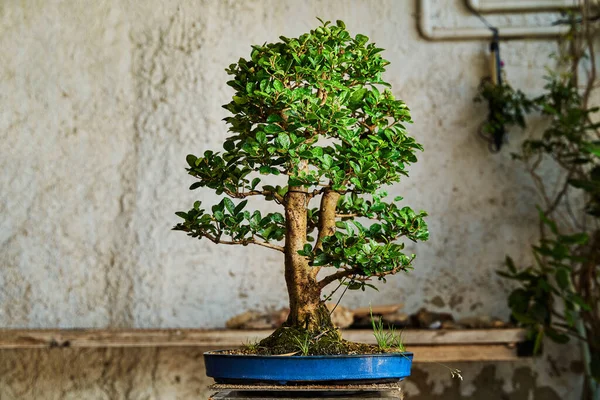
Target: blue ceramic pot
234,368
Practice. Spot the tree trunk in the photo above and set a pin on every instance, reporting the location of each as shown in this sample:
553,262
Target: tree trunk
307,311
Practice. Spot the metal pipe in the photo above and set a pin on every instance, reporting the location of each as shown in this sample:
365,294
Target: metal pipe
428,31
488,6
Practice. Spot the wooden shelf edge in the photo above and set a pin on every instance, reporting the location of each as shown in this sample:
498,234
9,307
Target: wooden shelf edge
94,338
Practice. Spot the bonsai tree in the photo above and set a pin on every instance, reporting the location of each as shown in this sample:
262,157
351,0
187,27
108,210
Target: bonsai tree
314,115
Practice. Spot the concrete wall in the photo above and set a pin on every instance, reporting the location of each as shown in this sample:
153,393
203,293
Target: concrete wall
100,101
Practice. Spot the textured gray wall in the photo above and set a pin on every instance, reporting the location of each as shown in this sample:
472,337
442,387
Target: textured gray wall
100,101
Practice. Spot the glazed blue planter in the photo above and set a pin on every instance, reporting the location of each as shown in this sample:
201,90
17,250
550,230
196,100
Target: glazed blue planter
282,370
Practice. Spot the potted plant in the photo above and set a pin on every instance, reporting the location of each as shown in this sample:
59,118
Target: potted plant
314,115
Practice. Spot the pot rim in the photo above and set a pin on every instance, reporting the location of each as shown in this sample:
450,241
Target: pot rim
220,353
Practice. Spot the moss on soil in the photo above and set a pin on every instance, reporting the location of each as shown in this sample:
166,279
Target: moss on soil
289,340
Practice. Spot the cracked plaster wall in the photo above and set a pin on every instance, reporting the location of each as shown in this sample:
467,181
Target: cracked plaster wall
99,104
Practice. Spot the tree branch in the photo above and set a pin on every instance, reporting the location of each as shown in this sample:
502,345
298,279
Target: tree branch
353,271
244,242
242,195
326,219
338,275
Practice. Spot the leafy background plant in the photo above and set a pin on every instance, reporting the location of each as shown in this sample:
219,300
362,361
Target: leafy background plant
559,295
507,107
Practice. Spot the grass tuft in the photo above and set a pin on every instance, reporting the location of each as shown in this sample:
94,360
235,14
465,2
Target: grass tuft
387,339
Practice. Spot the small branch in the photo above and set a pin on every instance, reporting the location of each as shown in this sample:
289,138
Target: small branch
354,271
560,194
346,215
590,47
242,195
344,273
316,192
244,242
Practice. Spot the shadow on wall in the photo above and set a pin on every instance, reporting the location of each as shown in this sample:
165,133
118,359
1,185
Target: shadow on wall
487,386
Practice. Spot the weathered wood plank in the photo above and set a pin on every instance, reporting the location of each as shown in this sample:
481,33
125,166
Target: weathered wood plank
33,338
428,346
197,337
428,337
375,310
465,352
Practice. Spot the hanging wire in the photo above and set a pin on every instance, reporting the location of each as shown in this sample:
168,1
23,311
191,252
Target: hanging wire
342,295
485,21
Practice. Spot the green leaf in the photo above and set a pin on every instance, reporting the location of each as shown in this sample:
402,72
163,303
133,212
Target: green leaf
327,161
229,145
593,148
278,85
240,207
357,96
240,100
370,286
320,260
261,137
195,185
361,39
229,205
510,264
538,342
556,336
523,318
307,248
575,298
283,140
577,238
191,160
274,118
551,224
317,152
276,217
181,214
219,215
518,300
562,278
272,128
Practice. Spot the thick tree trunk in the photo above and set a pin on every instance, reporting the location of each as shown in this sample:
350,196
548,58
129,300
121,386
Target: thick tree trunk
326,220
307,311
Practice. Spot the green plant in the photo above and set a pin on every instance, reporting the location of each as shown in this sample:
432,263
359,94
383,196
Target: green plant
559,295
303,343
391,340
315,111
387,339
506,107
251,346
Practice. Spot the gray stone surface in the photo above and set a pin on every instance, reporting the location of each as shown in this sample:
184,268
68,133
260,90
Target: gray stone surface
99,104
